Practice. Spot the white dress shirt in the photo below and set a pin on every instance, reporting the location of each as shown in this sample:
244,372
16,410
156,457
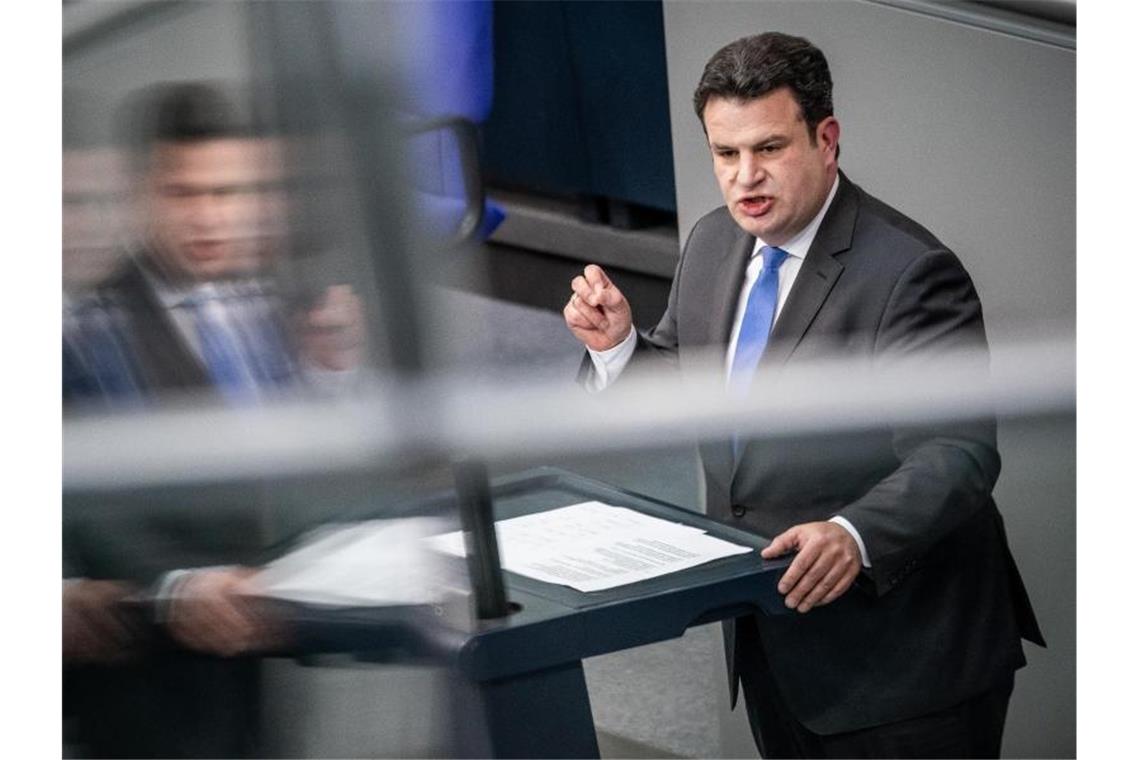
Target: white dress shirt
609,364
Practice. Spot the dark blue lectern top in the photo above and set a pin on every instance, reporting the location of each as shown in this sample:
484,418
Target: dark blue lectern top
554,624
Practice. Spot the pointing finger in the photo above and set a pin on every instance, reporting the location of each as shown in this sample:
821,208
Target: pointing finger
596,276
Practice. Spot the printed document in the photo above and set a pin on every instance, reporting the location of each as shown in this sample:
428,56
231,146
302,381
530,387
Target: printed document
594,546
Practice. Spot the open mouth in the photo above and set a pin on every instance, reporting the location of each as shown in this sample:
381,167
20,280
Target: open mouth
207,249
756,205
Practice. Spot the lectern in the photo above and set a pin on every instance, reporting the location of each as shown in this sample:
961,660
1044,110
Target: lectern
518,687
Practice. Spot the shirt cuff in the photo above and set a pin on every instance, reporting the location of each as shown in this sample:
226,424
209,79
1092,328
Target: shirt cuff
609,364
847,526
166,588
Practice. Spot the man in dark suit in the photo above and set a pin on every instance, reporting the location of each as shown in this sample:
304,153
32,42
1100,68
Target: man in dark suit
204,189
193,309
196,307
801,264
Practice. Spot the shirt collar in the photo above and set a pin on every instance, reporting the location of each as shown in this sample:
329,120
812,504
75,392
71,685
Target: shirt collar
799,245
173,295
170,295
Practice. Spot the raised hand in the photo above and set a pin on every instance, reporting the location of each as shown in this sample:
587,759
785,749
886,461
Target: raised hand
332,331
597,312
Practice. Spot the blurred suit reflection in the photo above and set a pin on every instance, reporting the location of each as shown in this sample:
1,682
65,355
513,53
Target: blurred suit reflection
190,309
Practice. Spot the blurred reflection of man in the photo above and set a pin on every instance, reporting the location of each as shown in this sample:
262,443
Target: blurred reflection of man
799,264
191,309
194,309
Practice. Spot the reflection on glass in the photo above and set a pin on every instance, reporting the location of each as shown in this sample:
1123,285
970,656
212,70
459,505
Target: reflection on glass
199,302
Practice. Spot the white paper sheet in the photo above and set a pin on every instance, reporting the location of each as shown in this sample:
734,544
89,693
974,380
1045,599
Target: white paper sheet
594,546
372,563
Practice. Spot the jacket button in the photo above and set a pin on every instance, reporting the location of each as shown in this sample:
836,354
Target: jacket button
738,510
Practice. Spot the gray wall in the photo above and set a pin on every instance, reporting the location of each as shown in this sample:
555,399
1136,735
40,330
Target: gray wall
971,132
114,48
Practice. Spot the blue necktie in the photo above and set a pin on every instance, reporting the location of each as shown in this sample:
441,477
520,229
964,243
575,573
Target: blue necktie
264,343
758,317
223,356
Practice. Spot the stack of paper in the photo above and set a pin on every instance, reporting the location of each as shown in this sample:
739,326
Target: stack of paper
373,563
594,546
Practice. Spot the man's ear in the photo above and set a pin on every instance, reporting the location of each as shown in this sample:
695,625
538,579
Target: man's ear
827,136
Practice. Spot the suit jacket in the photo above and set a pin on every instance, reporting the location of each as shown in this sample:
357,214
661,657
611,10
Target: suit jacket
148,346
124,348
943,608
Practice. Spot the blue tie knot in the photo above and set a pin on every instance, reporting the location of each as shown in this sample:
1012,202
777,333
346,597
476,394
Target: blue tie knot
773,257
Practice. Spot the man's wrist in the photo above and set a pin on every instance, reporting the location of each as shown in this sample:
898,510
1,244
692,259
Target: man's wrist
613,351
847,526
610,362
168,587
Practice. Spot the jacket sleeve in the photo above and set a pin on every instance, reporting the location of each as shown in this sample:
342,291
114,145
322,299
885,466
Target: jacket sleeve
946,471
662,342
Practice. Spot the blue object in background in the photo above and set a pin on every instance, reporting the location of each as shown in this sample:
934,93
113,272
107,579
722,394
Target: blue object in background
441,52
452,76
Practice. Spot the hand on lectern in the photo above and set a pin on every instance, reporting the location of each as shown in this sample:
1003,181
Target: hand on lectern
826,564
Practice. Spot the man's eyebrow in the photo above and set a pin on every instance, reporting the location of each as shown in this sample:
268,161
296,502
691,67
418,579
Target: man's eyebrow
775,140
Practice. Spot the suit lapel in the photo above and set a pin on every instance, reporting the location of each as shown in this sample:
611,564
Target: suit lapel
168,362
726,290
817,276
813,285
723,296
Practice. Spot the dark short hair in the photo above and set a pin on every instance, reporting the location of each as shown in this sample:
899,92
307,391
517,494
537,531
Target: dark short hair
755,66
178,113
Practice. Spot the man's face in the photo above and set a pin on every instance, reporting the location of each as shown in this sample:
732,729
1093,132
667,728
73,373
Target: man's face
773,178
203,207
